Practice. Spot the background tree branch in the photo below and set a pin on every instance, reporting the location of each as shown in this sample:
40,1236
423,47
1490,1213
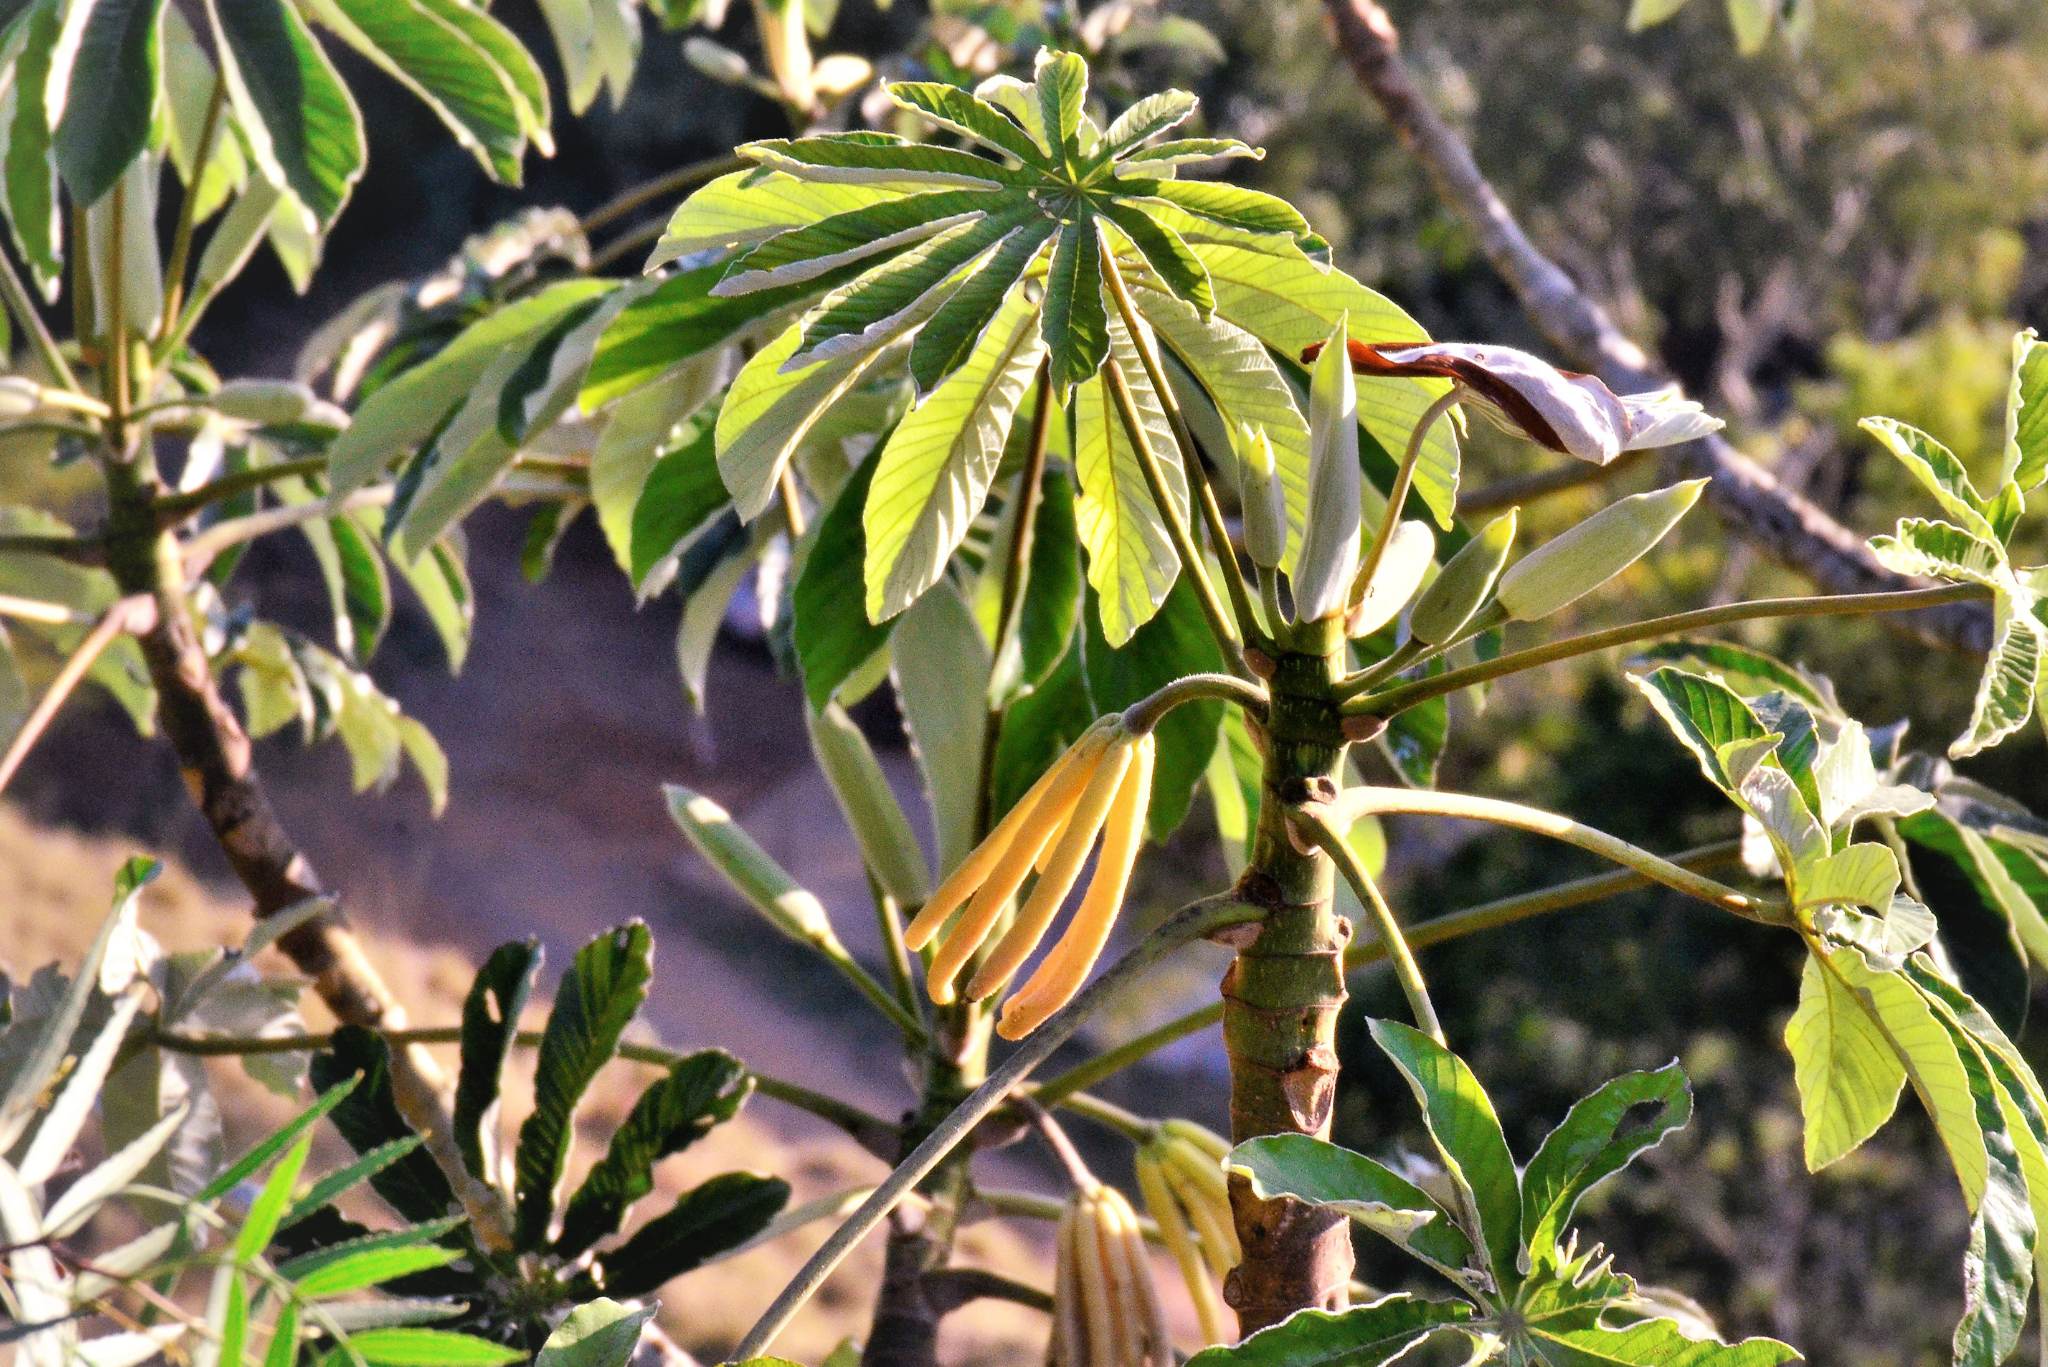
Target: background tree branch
1749,499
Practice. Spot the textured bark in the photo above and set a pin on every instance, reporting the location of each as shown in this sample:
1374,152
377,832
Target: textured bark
1281,996
216,759
1749,500
904,1330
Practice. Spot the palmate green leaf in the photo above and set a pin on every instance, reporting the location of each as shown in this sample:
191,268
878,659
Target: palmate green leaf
28,163
877,305
433,54
321,1194
1074,321
1052,595
1132,562
1180,151
679,322
857,235
1938,471
2024,462
880,159
752,206
1848,1077
1995,870
717,1215
769,410
103,82
1062,81
1468,1137
1705,715
1865,875
1651,1343
369,1267
700,1091
490,1024
1147,119
1325,1174
1363,1336
956,329
637,429
969,115
298,119
1599,1136
597,1000
933,476
1233,206
1164,254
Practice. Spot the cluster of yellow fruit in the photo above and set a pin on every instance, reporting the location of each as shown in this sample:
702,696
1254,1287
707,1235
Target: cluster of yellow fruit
1180,1177
1106,1312
1102,785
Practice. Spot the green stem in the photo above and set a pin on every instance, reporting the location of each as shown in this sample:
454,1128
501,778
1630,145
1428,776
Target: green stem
118,394
1354,803
1129,1124
188,210
23,307
669,183
889,925
1190,458
1331,841
199,552
1146,713
1403,696
1397,494
1503,911
175,506
1176,526
1194,922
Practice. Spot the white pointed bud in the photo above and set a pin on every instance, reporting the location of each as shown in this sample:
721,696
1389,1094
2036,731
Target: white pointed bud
1329,546
262,402
1410,550
1262,500
19,397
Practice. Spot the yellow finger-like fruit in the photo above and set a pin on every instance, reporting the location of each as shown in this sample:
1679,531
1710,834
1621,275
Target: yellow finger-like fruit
1010,870
1068,966
1060,873
982,859
1166,1212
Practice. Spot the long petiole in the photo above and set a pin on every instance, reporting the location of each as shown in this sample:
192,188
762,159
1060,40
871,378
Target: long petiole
1397,495
188,210
1213,611
1190,458
1353,803
669,183
1503,911
172,507
129,614
1402,696
1144,714
1330,840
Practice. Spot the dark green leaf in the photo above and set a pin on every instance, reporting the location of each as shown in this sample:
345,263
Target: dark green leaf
490,1025
1468,1137
1075,324
598,998
862,234
1051,606
700,1091
948,337
1174,643
291,107
720,1214
28,178
831,631
260,1153
109,90
368,1117
1178,268
683,492
1601,1134
1037,729
951,107
1325,1174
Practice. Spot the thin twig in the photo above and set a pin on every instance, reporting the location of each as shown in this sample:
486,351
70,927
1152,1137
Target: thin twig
175,506
1397,493
200,551
669,183
36,610
136,613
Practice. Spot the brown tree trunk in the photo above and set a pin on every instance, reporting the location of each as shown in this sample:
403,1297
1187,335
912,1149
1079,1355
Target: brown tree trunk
1281,996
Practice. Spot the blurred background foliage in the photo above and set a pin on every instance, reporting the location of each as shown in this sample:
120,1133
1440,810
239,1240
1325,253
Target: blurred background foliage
1807,236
